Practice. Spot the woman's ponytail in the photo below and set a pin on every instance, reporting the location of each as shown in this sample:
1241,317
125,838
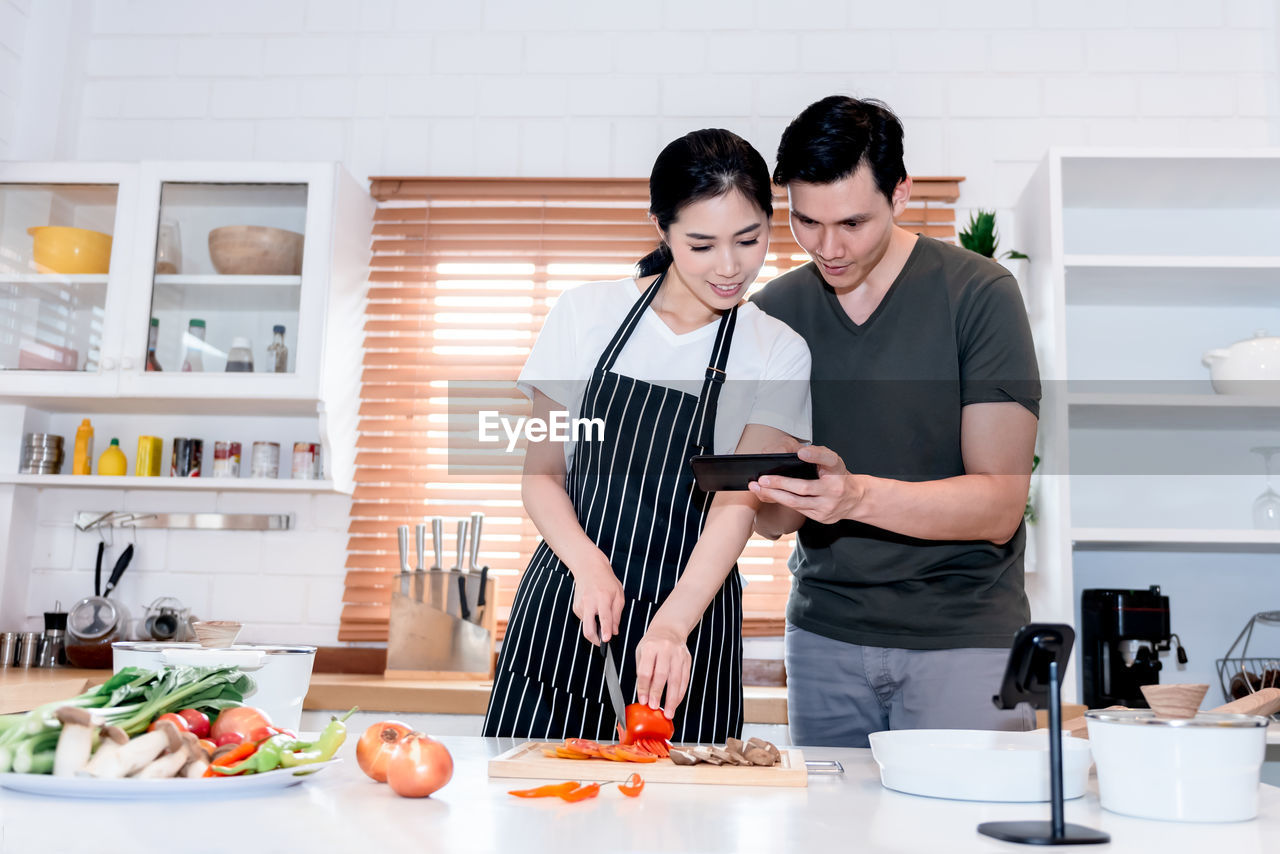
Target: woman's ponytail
655,262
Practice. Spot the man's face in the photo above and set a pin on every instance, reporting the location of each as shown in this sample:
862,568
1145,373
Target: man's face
845,226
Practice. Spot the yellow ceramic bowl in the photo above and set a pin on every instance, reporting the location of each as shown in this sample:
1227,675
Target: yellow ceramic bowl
70,250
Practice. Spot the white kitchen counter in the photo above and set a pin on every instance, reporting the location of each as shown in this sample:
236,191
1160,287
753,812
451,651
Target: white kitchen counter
343,811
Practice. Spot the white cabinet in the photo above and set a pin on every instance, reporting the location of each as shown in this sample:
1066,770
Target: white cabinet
1142,261
235,252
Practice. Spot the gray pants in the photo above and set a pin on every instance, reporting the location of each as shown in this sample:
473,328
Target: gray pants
839,692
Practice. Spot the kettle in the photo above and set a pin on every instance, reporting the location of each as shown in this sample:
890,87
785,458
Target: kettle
166,620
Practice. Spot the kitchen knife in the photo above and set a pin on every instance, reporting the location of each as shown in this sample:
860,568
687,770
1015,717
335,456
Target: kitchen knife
477,520
461,547
420,569
402,539
437,578
611,679
458,569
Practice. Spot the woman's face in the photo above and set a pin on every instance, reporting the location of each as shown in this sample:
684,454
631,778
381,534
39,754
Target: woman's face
718,246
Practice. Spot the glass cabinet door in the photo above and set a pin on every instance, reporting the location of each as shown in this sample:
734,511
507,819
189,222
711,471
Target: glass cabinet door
55,256
227,278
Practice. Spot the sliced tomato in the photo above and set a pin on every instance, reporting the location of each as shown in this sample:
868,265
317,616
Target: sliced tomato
644,722
582,745
627,753
570,754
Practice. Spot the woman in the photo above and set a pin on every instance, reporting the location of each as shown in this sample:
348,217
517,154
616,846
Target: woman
633,555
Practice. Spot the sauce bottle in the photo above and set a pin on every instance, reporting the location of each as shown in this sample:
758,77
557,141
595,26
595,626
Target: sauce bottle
113,460
82,460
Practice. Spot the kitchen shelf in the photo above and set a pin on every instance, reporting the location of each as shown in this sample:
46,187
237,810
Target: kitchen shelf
195,484
1172,411
221,280
53,278
1161,280
1175,539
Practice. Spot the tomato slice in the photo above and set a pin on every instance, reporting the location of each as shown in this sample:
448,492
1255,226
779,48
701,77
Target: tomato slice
627,753
570,754
582,745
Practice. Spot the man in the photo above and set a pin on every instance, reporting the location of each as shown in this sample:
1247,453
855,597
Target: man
908,566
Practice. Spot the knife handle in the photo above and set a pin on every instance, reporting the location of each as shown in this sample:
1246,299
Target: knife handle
476,520
420,536
437,540
402,534
463,607
461,548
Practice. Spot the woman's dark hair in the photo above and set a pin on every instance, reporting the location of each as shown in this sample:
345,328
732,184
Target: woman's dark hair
827,141
702,165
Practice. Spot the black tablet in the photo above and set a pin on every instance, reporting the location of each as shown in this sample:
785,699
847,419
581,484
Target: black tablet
732,472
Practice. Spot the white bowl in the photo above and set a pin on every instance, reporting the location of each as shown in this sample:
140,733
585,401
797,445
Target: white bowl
977,765
1205,768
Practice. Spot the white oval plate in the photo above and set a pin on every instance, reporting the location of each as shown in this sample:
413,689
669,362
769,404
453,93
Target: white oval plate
129,789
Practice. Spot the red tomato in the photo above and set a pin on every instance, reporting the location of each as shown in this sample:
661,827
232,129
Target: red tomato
375,747
644,722
228,738
197,721
241,720
177,721
418,766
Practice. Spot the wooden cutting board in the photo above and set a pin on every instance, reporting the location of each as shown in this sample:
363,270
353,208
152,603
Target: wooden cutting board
528,761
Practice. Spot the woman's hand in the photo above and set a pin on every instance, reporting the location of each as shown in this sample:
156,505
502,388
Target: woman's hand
662,662
597,595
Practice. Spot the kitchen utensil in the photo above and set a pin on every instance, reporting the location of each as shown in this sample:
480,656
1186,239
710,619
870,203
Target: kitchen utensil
477,520
977,765
453,606
402,540
28,649
420,567
437,567
425,641
122,563
464,610
1242,673
134,789
281,674
168,249
528,761
42,453
1251,366
216,634
51,648
1265,702
98,624
1205,768
611,677
58,249
165,620
255,250
1179,700
93,624
8,649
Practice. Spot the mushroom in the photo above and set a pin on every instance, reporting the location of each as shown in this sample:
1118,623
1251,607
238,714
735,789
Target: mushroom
173,761
761,743
704,754
759,756
722,755
135,755
733,747
683,757
75,742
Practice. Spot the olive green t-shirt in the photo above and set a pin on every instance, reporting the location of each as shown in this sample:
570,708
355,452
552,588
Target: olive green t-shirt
887,397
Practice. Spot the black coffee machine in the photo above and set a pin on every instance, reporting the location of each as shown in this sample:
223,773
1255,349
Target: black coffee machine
1122,633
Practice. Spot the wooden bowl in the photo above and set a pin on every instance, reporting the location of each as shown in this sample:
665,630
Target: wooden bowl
1180,700
216,634
255,250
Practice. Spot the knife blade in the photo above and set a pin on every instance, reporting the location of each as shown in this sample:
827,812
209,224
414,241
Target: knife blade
611,680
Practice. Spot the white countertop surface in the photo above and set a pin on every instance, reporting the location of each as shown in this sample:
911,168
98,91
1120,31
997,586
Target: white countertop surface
343,811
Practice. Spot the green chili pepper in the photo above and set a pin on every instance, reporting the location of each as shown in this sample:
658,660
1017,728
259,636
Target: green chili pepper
266,758
323,748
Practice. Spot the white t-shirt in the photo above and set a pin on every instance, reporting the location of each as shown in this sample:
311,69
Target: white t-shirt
766,378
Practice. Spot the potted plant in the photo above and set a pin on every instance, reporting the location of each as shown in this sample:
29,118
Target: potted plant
980,236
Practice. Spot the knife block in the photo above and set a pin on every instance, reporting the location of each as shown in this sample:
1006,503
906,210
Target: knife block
426,641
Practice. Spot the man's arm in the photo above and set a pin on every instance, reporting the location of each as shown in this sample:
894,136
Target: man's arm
997,443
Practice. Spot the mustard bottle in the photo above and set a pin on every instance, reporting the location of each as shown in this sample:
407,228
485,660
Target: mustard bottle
113,460
82,460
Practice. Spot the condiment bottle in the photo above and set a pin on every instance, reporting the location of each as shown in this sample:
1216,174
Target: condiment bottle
82,460
113,460
279,352
194,360
152,336
240,357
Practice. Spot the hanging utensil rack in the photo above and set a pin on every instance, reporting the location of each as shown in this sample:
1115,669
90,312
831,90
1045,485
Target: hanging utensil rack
88,520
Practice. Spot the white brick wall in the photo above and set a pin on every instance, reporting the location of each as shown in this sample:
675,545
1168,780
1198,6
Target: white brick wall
583,87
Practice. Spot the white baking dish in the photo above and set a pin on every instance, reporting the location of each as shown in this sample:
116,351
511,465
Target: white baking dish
282,673
977,765
1205,768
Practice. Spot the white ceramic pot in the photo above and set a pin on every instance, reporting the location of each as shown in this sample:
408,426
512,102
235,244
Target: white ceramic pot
1251,366
281,674
1205,768
977,765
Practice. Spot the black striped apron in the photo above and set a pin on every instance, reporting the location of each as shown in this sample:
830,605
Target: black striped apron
635,497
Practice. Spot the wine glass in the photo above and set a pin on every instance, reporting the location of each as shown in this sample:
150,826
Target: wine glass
1266,508
168,249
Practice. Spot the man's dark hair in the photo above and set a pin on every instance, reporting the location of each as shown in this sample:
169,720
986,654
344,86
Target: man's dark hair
827,141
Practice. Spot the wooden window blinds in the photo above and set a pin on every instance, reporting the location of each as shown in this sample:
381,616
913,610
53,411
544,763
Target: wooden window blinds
463,272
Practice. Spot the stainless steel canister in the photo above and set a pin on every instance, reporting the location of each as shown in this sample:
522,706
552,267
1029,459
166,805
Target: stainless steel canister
8,648
266,460
29,649
42,453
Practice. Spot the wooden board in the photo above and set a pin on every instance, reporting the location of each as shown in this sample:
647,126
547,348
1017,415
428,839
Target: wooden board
528,761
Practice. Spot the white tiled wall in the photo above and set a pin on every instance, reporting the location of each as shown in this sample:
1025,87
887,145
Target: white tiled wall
285,586
579,87
13,33
584,87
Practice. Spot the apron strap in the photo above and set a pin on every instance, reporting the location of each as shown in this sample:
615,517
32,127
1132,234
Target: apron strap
610,354
711,383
